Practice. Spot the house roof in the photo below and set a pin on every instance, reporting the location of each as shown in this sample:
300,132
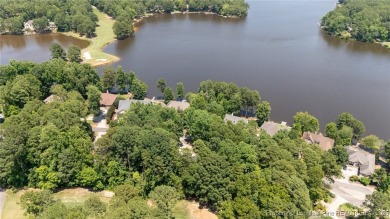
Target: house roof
182,105
272,127
29,22
363,158
234,119
51,98
124,105
325,143
107,99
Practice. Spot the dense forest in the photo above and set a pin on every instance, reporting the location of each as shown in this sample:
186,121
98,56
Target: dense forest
238,171
70,15
77,15
362,20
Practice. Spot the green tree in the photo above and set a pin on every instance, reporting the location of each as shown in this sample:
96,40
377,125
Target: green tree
35,202
308,122
95,207
344,136
378,202
88,177
341,154
168,95
372,142
263,112
57,52
122,79
346,119
138,89
109,78
161,85
123,29
165,198
331,130
40,24
180,90
74,53
93,100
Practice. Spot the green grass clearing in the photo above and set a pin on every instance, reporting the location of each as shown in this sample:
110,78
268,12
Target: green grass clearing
70,197
104,36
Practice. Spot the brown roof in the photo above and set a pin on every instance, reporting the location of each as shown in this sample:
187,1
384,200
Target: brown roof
325,143
107,99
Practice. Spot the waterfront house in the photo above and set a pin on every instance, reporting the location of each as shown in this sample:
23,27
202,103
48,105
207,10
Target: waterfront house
325,143
28,26
178,105
107,99
235,119
364,160
52,25
272,127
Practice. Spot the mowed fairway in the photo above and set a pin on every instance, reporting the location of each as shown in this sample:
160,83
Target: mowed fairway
93,54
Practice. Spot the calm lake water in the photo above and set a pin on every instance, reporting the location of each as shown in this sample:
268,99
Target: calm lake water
35,47
279,50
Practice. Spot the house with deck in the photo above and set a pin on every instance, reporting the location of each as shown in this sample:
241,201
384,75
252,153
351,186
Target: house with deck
28,26
125,105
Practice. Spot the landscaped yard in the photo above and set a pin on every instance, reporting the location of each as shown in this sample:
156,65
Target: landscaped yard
77,196
105,35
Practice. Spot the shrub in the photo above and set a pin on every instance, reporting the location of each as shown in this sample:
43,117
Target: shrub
354,178
365,181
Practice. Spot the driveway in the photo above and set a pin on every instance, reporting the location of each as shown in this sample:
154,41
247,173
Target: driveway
346,191
2,200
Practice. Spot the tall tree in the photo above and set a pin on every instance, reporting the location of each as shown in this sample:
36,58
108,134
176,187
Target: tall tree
263,112
109,78
165,197
122,79
308,122
372,142
139,89
93,94
168,95
180,90
161,85
41,24
123,29
57,52
74,53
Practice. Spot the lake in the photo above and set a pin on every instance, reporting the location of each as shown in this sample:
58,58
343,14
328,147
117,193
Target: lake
278,49
35,47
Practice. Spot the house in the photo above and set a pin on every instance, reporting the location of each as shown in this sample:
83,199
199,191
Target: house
51,98
124,105
362,159
234,119
272,127
178,105
28,25
107,99
52,25
325,143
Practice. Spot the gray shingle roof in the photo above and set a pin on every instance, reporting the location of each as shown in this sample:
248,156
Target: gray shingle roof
124,105
365,160
234,119
182,105
272,127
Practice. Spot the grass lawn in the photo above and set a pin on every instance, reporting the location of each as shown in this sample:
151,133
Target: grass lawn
190,210
105,35
180,210
70,197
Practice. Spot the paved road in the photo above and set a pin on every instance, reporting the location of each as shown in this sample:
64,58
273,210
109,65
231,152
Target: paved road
2,200
352,192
